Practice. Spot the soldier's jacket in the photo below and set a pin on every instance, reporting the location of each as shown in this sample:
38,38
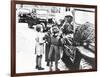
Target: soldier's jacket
67,28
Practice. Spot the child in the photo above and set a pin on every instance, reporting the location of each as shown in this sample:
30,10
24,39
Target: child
54,47
47,46
39,48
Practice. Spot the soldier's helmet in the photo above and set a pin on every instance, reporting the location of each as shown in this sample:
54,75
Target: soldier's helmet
69,14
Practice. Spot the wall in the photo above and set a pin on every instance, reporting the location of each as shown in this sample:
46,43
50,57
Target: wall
5,40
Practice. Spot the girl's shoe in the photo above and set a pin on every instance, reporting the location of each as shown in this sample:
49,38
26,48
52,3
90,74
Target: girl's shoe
47,63
57,69
40,68
37,67
51,70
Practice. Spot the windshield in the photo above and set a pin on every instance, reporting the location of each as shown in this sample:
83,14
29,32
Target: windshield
83,16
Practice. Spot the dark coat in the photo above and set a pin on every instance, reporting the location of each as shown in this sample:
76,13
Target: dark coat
54,53
72,65
47,48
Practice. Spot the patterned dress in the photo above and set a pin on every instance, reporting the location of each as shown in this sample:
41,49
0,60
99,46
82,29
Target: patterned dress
39,47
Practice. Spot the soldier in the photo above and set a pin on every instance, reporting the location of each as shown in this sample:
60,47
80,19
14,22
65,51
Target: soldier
71,55
69,51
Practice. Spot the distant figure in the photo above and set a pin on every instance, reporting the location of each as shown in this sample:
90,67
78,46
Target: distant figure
39,47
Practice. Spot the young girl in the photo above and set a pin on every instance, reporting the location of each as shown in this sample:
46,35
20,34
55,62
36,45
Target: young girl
39,47
54,48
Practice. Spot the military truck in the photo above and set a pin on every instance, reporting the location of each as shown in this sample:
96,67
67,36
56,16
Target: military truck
34,20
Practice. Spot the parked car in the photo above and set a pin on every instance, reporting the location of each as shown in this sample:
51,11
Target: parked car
22,15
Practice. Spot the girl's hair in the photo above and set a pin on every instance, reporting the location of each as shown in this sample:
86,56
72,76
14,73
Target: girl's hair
38,28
